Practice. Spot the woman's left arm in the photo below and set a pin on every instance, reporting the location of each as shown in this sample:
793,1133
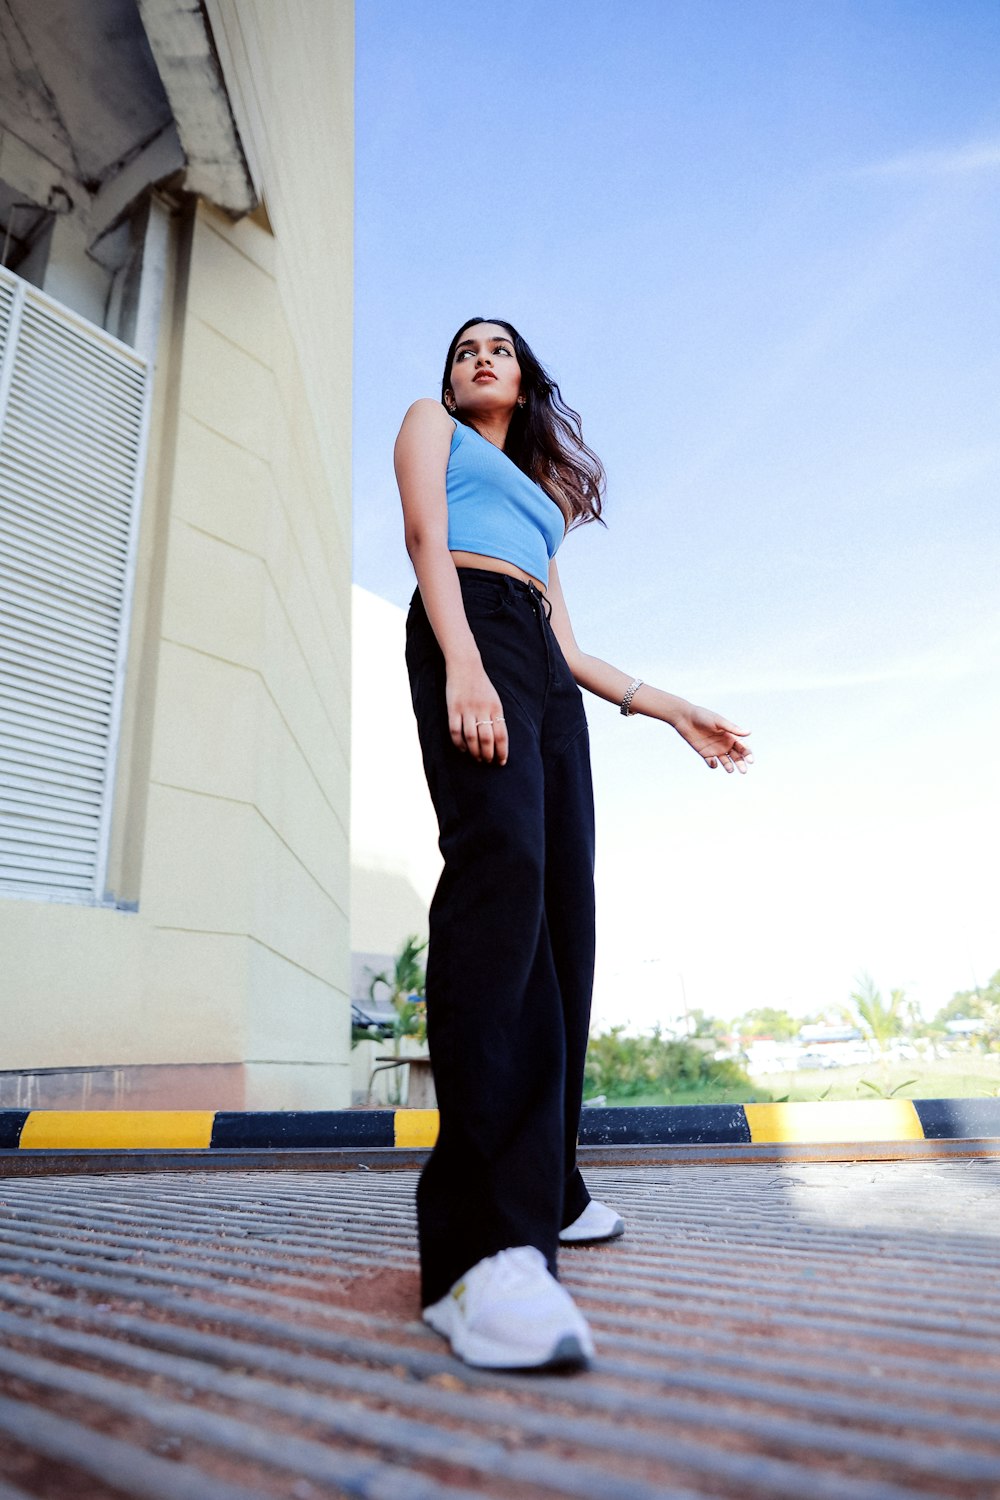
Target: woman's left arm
715,739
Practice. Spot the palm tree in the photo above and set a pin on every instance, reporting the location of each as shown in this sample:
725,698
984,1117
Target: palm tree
880,1020
405,983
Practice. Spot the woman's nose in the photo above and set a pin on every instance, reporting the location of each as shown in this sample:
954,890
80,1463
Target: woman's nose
484,359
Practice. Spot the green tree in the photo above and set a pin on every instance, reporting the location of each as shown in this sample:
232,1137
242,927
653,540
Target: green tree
703,1027
623,1067
768,1021
990,1036
969,1005
980,1004
878,1019
406,982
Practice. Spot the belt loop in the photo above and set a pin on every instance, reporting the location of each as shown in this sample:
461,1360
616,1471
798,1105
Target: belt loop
541,599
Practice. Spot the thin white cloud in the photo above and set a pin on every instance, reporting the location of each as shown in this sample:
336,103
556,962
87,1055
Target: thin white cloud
948,662
960,161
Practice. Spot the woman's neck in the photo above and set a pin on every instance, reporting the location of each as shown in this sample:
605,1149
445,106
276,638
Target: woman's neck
493,429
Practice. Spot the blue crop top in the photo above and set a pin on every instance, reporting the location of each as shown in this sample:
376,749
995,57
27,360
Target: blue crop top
495,509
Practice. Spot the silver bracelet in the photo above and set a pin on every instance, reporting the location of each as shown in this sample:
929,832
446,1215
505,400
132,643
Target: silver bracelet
630,693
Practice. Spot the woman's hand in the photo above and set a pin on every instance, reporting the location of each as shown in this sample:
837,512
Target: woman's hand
716,740
475,715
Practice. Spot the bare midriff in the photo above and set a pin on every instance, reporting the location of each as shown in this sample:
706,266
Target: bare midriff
495,565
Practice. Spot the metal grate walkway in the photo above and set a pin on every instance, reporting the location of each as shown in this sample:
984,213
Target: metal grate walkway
808,1331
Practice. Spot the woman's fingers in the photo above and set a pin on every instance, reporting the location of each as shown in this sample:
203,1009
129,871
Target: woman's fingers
501,744
718,741
493,744
475,716
484,729
456,731
736,758
722,747
470,730
485,736
740,756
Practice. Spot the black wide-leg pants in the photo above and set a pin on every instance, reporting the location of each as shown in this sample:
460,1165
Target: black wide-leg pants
511,955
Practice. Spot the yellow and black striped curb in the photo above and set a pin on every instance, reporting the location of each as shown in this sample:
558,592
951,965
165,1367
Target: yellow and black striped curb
825,1122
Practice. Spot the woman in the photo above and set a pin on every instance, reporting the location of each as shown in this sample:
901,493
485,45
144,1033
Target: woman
490,479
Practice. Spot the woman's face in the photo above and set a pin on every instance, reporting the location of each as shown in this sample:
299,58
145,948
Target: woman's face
485,375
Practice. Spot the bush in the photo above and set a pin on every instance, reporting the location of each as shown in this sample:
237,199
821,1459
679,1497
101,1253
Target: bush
623,1067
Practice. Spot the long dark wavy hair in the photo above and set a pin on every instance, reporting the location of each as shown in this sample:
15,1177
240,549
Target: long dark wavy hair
545,437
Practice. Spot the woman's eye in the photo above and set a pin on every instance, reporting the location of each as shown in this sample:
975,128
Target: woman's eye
467,353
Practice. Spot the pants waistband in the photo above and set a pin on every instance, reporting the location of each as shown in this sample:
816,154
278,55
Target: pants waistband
514,587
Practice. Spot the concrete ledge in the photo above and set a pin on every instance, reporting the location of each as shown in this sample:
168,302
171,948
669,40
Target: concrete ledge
867,1120
375,1159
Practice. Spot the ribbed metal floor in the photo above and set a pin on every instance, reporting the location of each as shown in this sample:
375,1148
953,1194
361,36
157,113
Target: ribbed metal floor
807,1331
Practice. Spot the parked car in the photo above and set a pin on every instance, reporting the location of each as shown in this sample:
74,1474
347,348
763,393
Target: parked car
368,1015
817,1060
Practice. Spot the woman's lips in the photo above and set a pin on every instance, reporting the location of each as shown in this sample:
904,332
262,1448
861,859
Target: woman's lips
483,375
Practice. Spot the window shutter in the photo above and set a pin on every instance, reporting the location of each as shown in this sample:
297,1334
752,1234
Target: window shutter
73,420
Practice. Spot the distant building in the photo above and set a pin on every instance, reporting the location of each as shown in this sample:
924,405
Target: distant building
175,543
821,1034
765,1055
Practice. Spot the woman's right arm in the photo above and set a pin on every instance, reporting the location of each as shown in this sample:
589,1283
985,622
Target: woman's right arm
421,460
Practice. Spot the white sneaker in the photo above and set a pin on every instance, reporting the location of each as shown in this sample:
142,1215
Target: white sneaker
597,1222
509,1313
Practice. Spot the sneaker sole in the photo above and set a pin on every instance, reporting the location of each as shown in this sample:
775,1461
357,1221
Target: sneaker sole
594,1239
568,1353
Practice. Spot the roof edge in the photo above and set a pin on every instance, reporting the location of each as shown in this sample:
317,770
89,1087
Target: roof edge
183,47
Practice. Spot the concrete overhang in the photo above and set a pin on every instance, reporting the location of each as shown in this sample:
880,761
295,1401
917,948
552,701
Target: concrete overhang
99,101
180,38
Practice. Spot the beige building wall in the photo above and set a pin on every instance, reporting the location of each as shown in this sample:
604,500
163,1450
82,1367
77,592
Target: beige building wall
227,986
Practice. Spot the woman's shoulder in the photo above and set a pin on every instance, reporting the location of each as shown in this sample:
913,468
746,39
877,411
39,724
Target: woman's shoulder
429,415
427,433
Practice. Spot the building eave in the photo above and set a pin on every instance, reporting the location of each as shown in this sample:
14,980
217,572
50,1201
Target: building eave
180,37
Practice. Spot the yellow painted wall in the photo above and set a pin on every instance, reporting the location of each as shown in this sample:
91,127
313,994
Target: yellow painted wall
231,814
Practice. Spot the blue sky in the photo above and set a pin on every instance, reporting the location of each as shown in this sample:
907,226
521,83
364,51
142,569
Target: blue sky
757,245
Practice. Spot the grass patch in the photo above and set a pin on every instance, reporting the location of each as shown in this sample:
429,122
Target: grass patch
967,1076
708,1095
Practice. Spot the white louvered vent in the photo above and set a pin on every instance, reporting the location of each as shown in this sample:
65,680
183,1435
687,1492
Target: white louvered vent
73,418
